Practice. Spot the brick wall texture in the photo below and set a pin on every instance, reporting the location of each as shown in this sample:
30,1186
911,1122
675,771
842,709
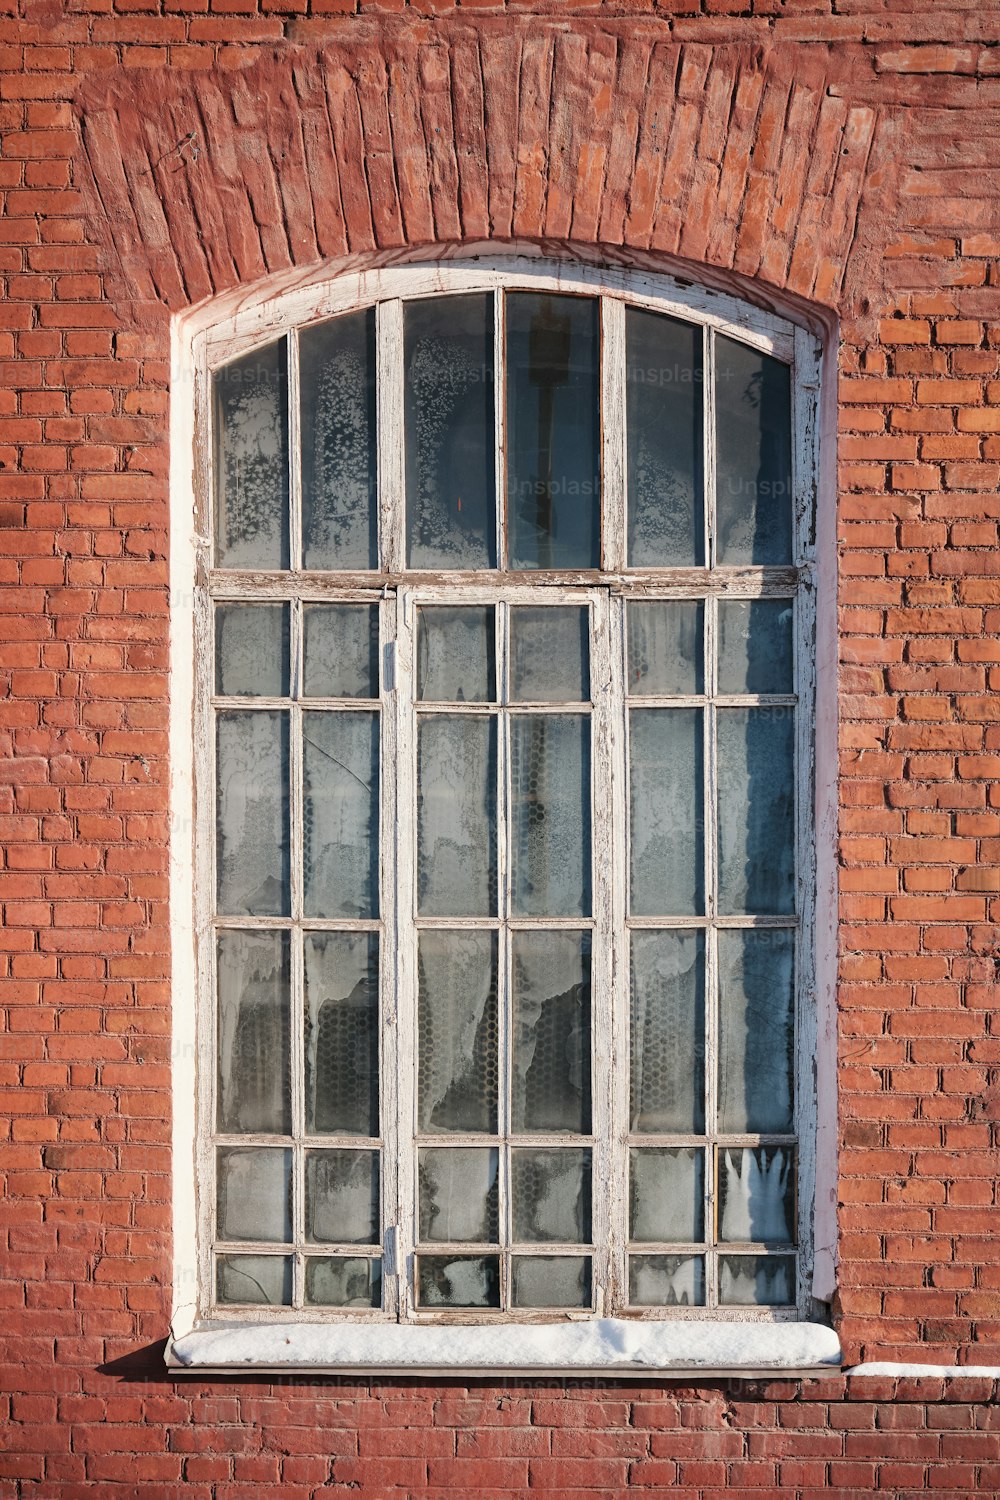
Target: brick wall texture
155,153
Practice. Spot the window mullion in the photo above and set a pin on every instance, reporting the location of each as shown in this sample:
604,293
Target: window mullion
297,1018
294,455
711,946
504,996
613,434
391,456
708,443
401,979
500,425
391,1069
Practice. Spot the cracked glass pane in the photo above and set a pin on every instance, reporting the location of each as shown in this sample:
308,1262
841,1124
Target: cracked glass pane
251,460
340,776
663,390
254,1279
339,498
253,985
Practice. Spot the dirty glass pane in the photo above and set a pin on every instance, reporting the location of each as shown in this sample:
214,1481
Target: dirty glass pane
549,654
666,1195
251,813
458,1194
253,1085
457,1047
340,657
755,645
753,456
756,750
663,389
756,1280
756,1190
253,1194
550,815
550,1280
550,1191
342,1197
251,650
450,481
551,1032
340,814
251,461
265,1279
341,1033
666,812
668,1031
343,1281
457,817
339,503
553,431
666,648
455,654
458,1281
756,1030
666,1281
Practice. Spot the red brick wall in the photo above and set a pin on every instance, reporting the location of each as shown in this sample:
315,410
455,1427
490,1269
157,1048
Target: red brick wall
158,152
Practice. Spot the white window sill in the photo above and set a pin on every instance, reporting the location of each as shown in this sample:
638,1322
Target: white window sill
608,1346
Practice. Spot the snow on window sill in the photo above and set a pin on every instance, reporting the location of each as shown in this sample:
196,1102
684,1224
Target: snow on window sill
889,1368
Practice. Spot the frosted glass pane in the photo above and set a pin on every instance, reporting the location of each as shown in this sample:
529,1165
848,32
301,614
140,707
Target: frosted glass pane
450,483
340,651
550,1280
755,645
666,1281
551,1195
666,1195
339,505
251,461
457,1048
343,1281
753,456
462,1281
341,1032
549,655
253,1279
254,1085
663,374
756,1030
668,1031
756,1280
251,813
251,650
457,817
340,814
458,1194
666,812
756,750
455,655
342,1197
666,648
253,1194
553,431
550,815
551,1025
756,1189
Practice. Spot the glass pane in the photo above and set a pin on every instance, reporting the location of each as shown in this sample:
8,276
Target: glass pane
458,1194
342,1197
756,1280
666,648
254,1279
340,814
341,1032
251,813
343,1281
457,817
465,1281
755,645
550,815
668,1031
551,1025
666,812
455,655
550,1280
251,461
756,810
340,651
753,455
254,1194
663,375
339,504
757,1194
756,1030
457,1053
251,650
549,655
553,431
254,1083
666,1281
667,1195
450,482
551,1195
